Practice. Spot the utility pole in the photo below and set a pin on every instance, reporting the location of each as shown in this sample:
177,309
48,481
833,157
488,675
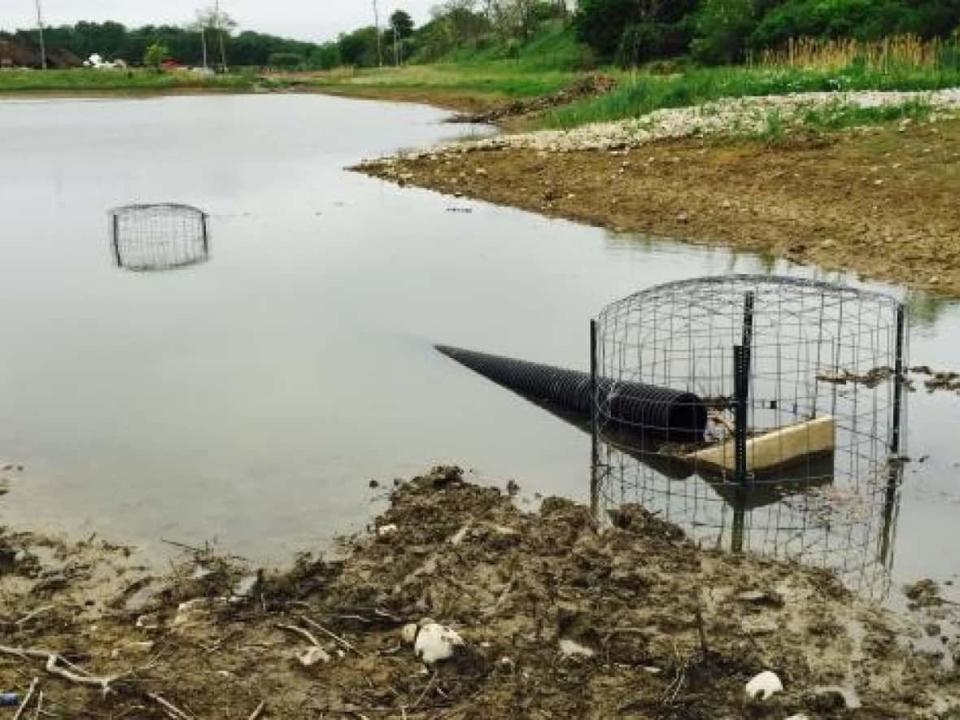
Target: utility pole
376,22
43,47
223,51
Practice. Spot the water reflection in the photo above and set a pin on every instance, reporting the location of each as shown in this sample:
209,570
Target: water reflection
152,238
827,523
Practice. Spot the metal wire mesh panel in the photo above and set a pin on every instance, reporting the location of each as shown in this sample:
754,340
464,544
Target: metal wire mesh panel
801,386
158,237
835,526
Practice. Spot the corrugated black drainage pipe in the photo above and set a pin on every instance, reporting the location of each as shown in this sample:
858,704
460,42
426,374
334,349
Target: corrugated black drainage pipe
636,407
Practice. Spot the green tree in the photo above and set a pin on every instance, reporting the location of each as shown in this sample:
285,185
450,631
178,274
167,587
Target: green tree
155,55
601,24
402,24
722,29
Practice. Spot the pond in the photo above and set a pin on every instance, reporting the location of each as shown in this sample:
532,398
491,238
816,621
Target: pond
249,399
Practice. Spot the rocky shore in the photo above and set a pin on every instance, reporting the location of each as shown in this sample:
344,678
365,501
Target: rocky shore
455,604
879,201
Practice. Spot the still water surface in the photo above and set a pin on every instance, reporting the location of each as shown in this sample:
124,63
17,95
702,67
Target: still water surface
250,399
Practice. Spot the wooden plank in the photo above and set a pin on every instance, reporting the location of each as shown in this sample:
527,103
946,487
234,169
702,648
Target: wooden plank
773,449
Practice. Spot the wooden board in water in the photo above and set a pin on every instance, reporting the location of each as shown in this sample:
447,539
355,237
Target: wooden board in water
773,449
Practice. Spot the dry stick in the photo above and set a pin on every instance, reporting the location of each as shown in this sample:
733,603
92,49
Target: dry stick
53,668
26,700
328,633
301,631
259,711
30,615
169,707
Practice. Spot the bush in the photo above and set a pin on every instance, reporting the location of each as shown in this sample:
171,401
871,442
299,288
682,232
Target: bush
643,42
155,55
284,60
603,24
722,28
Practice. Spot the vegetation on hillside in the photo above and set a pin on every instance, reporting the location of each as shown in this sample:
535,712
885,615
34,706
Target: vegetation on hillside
726,31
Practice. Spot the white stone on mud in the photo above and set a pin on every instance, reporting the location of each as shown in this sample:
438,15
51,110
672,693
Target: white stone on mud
408,634
385,530
571,648
745,115
313,656
436,642
764,686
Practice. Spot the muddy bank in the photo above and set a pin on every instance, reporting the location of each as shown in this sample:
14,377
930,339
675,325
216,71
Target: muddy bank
560,616
880,201
514,110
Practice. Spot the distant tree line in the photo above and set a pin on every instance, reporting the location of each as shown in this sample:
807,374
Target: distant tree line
723,31
628,32
454,25
185,45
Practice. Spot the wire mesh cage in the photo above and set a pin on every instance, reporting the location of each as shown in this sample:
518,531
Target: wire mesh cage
159,237
757,409
848,530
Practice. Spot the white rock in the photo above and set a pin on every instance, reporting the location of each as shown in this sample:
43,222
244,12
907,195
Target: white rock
313,656
436,642
801,716
409,633
764,686
384,530
571,648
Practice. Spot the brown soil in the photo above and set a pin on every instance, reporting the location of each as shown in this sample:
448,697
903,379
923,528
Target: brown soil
880,202
585,87
671,631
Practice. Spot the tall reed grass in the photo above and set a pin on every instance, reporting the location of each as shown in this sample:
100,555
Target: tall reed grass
881,55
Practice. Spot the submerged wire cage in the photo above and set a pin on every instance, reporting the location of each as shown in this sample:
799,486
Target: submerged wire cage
159,237
791,401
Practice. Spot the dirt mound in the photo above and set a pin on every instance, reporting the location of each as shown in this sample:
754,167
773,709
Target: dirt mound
558,618
584,87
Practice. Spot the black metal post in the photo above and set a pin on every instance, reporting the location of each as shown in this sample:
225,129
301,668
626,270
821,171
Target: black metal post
203,225
116,240
739,521
741,390
739,415
594,425
594,409
898,381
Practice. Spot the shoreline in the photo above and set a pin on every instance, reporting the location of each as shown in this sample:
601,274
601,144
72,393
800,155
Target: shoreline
561,613
878,201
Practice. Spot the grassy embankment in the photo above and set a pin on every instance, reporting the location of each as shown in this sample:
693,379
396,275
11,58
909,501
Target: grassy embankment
81,81
902,64
466,79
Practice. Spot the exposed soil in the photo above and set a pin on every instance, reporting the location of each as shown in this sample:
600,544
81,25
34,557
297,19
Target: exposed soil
880,201
585,87
563,615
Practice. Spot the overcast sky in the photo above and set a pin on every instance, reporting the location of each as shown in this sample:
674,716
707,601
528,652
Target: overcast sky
302,19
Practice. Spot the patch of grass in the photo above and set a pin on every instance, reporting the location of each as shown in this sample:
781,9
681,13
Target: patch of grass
838,116
478,78
498,71
84,80
779,128
642,93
